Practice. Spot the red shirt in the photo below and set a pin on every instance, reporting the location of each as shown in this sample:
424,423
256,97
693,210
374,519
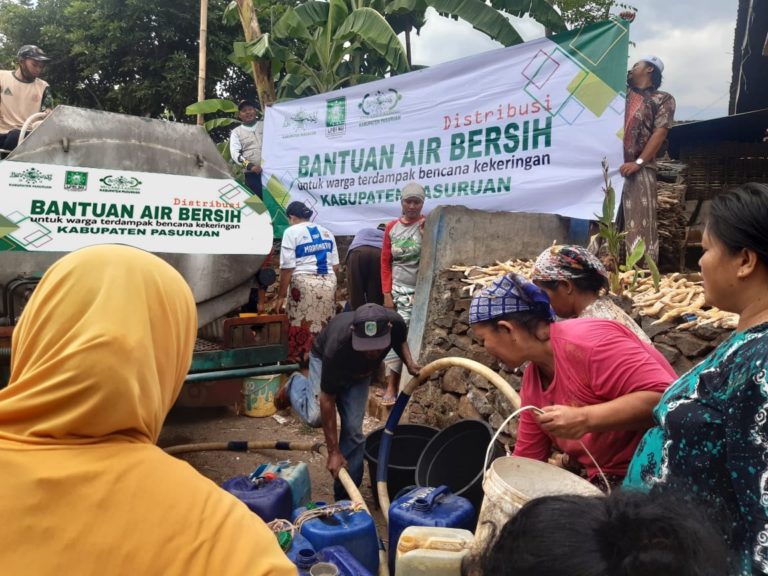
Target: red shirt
595,361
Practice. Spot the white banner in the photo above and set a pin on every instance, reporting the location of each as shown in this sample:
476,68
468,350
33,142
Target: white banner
48,208
523,128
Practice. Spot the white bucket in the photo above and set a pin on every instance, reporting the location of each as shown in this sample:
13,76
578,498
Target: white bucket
512,481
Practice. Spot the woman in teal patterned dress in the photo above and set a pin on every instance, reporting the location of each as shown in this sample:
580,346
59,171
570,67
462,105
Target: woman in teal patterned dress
711,438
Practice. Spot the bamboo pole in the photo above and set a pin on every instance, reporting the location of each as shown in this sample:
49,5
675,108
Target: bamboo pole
202,57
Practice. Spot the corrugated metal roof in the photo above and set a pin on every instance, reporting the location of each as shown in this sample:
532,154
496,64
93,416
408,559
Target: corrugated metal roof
747,127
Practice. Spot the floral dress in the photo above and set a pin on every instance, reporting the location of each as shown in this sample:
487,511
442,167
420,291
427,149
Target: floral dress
711,443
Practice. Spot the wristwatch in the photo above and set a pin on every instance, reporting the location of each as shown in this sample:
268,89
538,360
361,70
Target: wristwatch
639,161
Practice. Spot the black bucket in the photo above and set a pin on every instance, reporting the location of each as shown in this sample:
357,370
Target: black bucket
455,458
408,443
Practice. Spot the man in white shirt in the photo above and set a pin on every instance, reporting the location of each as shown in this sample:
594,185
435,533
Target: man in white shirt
245,145
22,94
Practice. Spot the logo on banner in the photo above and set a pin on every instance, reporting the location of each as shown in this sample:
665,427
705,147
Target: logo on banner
336,117
302,123
380,106
31,178
75,181
120,184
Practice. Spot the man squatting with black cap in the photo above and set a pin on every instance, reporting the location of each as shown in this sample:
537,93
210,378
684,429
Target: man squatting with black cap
343,359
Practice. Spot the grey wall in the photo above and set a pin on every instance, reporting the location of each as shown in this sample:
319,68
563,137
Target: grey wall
458,235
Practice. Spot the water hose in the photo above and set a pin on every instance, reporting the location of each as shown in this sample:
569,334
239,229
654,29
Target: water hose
355,496
402,401
244,446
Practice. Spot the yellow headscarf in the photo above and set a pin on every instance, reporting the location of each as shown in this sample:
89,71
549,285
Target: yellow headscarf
98,358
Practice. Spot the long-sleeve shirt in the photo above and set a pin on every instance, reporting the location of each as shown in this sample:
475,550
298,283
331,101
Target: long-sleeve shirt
401,253
245,143
596,361
711,442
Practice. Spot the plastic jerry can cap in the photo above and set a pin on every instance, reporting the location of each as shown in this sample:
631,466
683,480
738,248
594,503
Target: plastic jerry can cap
407,543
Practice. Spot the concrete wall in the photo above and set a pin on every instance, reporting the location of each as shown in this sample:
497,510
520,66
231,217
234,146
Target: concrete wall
458,235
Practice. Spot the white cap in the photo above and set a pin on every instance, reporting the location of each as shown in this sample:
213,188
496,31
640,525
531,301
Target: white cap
655,60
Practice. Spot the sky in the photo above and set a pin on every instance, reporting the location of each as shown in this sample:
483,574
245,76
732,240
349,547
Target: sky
693,38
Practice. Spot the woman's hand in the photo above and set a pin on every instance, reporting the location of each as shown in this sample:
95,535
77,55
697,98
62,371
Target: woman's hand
567,422
627,15
388,302
564,461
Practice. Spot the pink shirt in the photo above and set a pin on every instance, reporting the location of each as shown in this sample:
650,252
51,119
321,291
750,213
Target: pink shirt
595,361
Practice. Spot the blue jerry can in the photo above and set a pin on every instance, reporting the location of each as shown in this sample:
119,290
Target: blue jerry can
339,556
297,476
354,531
427,507
269,497
299,548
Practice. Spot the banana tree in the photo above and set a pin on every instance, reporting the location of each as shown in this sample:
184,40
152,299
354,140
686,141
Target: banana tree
489,18
260,69
337,42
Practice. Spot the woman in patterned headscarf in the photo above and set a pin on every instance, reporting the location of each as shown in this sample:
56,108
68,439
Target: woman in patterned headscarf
577,285
594,381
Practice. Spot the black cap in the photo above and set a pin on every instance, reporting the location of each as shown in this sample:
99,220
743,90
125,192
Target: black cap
299,209
245,103
370,328
28,51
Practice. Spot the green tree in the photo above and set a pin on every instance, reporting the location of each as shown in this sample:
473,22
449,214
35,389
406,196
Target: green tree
132,56
582,12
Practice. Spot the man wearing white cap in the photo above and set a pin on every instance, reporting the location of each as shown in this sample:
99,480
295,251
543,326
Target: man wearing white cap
648,117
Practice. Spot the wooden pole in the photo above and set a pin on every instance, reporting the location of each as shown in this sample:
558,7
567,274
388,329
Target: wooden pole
202,57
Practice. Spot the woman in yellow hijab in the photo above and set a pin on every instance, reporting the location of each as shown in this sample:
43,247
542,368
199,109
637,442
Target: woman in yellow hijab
98,358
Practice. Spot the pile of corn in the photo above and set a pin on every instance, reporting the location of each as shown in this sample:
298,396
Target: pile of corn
680,297
478,277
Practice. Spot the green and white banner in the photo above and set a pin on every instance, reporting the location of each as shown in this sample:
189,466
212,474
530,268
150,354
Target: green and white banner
523,128
48,208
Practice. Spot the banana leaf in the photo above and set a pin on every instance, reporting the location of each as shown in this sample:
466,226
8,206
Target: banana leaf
210,106
482,17
374,31
540,10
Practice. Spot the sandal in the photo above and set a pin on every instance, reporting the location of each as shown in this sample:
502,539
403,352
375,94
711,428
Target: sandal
388,400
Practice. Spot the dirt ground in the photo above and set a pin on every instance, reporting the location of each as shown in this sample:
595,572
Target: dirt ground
192,425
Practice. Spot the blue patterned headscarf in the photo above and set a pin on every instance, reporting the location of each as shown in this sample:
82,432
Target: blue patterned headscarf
508,294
